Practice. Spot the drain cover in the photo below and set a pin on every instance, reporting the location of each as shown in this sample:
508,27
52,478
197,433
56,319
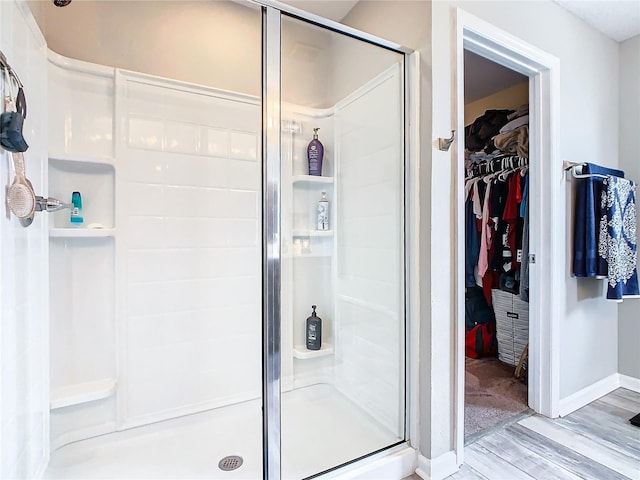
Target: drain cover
230,463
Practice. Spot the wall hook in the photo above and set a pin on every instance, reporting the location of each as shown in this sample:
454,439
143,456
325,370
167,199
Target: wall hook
445,143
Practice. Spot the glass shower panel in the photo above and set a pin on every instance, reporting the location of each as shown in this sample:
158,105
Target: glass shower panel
343,320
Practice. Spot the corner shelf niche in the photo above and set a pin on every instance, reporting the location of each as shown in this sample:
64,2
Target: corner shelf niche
74,158
82,280
81,232
302,353
82,393
312,233
94,178
312,179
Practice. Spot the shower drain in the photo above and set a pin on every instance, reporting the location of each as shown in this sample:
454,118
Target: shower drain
230,463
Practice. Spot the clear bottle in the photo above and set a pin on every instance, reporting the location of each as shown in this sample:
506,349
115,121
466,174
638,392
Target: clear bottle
323,212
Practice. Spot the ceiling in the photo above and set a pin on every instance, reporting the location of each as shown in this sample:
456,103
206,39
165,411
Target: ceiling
618,19
483,77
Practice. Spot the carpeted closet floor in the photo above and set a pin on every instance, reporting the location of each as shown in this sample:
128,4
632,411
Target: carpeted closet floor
492,395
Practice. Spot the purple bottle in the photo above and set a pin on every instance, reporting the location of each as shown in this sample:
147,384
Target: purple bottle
315,152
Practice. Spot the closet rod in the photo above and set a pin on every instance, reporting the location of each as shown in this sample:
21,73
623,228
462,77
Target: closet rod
498,164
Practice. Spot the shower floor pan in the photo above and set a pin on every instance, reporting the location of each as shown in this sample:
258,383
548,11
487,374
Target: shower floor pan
320,429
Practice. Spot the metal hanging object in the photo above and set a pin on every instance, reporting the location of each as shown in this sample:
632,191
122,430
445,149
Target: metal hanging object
445,143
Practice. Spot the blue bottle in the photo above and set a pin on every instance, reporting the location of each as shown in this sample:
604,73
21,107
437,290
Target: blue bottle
76,212
315,152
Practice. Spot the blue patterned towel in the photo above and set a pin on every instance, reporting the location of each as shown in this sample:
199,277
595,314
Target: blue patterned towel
617,239
586,222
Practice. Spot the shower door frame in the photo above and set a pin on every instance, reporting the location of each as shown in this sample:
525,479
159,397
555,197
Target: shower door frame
272,12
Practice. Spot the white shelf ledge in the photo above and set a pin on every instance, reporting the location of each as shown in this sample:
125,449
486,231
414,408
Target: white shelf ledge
312,233
300,352
311,255
82,393
311,179
81,232
78,158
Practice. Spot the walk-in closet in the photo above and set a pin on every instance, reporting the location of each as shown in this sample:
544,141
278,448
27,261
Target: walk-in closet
496,238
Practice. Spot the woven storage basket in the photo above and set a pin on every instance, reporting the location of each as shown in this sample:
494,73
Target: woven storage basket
512,325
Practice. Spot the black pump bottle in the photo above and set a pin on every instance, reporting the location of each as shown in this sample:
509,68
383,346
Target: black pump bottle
314,331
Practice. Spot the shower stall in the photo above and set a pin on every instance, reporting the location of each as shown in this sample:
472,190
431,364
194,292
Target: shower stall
178,338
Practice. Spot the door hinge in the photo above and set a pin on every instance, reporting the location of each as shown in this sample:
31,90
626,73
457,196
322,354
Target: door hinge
532,258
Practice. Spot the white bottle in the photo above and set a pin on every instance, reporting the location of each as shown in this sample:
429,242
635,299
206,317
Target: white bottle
323,212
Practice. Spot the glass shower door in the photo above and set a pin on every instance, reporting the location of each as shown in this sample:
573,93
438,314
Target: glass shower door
342,249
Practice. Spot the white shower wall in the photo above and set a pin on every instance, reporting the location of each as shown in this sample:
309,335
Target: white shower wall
370,245
158,314
189,183
24,329
82,269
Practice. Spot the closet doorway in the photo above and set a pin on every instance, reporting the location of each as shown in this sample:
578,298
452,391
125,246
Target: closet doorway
546,234
496,185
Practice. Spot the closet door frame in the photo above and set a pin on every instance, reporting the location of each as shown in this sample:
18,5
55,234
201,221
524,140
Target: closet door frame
486,40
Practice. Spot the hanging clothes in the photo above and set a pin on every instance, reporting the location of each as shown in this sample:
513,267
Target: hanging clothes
617,237
486,234
472,245
524,265
587,215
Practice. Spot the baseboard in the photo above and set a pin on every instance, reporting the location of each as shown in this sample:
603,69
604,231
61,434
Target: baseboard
630,383
437,468
589,394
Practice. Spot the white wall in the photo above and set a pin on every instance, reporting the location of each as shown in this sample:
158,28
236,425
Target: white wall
24,326
189,213
629,326
588,131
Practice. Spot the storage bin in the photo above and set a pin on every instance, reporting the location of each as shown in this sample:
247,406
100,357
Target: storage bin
512,325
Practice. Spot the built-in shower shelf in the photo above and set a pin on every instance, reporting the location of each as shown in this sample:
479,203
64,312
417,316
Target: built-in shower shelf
311,255
300,352
75,158
311,179
82,232
82,393
312,233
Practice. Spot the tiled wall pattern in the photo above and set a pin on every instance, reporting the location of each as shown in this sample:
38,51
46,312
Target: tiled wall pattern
369,323
82,112
24,408
189,211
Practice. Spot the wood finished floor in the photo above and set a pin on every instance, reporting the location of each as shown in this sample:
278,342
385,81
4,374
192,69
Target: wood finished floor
596,442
